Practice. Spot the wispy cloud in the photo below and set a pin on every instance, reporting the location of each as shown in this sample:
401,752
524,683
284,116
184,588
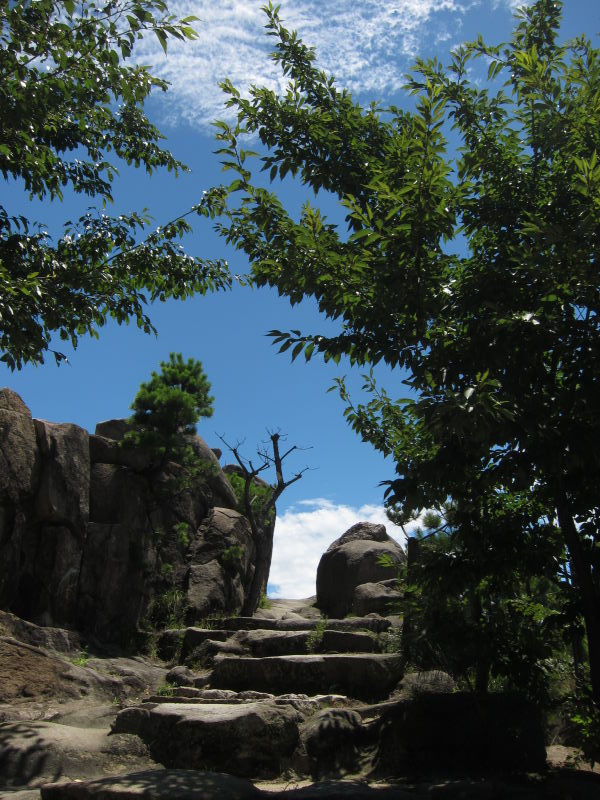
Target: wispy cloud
513,5
305,531
367,45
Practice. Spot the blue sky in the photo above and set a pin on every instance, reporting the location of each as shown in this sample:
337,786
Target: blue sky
368,45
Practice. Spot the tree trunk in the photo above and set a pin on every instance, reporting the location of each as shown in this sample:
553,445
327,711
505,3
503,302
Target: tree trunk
589,596
412,554
482,664
264,550
578,658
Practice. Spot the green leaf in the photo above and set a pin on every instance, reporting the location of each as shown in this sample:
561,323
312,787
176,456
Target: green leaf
162,38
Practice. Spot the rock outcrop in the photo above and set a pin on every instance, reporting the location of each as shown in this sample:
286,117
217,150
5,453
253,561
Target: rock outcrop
350,577
96,536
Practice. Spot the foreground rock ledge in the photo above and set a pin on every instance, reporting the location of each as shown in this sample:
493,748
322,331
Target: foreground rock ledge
190,785
169,784
246,740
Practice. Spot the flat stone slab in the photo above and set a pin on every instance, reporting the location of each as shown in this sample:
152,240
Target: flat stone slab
262,643
34,753
365,677
244,739
168,784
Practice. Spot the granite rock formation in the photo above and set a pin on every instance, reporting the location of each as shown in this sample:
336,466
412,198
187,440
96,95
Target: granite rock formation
97,537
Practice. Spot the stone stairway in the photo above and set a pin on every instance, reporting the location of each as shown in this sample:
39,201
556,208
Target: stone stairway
256,706
305,656
270,698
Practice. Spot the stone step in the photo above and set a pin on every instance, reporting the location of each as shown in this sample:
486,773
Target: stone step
301,702
199,648
375,624
265,637
171,641
364,677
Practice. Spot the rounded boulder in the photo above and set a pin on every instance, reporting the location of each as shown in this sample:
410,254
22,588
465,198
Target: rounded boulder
352,560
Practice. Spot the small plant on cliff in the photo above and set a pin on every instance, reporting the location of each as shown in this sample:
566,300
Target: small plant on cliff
82,659
231,558
182,530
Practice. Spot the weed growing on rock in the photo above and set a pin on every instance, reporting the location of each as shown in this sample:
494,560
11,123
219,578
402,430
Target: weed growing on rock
168,610
315,637
82,659
165,690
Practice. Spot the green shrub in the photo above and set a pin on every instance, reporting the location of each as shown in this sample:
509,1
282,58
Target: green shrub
259,495
182,529
166,690
231,558
166,570
168,610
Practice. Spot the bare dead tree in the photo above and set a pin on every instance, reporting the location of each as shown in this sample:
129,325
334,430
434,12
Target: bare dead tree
259,513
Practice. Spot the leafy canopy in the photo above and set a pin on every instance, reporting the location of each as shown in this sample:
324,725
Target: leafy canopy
71,104
487,621
474,267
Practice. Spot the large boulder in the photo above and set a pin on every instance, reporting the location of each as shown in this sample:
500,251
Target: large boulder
113,452
44,509
222,565
34,753
376,598
117,576
19,476
351,561
63,494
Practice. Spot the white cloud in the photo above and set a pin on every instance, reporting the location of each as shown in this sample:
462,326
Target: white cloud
367,44
513,5
305,531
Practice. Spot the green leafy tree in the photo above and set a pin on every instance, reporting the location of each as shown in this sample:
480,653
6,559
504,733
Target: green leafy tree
487,619
71,104
474,268
167,408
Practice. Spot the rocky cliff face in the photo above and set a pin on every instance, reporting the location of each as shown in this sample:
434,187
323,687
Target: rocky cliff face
95,537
